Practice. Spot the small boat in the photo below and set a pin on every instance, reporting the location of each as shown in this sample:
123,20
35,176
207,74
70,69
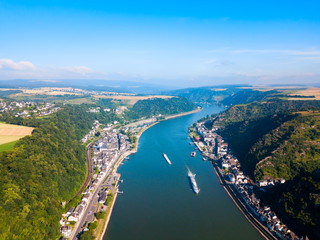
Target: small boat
166,157
193,154
192,178
204,159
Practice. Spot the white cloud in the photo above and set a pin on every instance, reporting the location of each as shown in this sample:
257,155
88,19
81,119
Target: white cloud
83,70
11,65
311,58
305,53
10,69
269,51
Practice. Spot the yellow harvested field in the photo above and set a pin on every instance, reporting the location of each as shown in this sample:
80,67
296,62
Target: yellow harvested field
7,89
46,91
307,92
8,139
15,131
133,99
10,133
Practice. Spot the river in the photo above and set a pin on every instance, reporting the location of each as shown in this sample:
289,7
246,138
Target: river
158,201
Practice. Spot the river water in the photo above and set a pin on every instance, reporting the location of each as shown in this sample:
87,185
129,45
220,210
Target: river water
158,201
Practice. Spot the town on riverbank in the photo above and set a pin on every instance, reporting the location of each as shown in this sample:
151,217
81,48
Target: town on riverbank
89,214
243,191
92,209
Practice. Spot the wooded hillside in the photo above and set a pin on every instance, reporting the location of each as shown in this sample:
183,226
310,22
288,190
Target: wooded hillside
40,172
156,106
280,139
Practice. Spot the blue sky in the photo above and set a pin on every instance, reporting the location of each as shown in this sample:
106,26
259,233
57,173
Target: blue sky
179,43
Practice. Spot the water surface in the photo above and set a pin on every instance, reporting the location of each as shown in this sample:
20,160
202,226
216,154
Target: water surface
158,201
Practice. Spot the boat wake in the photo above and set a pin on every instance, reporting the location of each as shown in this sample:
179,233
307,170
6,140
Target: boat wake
192,178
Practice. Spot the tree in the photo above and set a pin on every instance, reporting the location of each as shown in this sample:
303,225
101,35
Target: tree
87,236
100,215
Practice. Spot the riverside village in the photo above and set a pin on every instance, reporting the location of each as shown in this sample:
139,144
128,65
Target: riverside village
243,190
106,149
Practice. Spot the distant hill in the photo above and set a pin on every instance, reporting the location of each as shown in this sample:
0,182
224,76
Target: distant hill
224,95
156,106
92,84
247,96
206,95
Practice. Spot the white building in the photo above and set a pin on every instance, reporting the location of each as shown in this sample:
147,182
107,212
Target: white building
74,217
66,231
262,183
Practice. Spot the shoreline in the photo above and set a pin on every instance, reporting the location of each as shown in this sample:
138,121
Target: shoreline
128,153
182,114
238,202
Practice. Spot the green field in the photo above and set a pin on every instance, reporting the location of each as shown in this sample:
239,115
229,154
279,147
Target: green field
7,146
86,100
